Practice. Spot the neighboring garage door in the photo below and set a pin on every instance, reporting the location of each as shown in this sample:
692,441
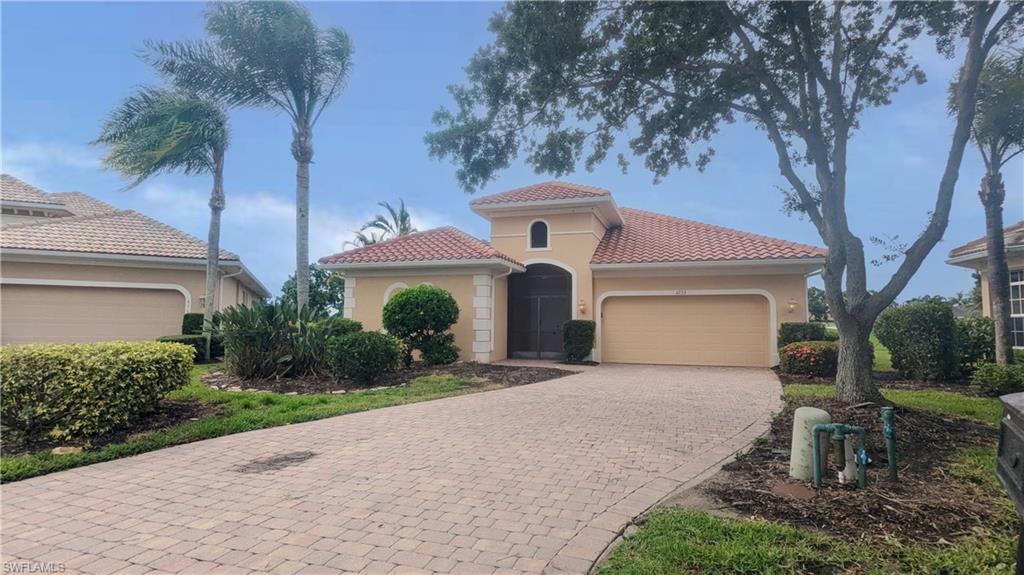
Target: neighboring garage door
81,314
727,330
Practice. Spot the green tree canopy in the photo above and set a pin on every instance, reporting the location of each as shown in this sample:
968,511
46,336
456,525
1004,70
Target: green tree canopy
326,290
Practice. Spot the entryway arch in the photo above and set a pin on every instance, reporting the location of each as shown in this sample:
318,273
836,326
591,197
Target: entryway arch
539,303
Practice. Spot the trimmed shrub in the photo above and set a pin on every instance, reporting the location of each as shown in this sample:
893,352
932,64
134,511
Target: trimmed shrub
578,339
921,337
441,350
815,358
192,323
78,391
790,332
999,379
418,315
975,342
364,355
198,341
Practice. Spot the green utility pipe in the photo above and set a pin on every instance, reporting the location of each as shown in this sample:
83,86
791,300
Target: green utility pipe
889,431
839,432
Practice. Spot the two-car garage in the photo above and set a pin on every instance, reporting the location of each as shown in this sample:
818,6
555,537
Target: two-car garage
696,327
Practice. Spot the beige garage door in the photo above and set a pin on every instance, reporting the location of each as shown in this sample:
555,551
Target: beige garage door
81,314
729,330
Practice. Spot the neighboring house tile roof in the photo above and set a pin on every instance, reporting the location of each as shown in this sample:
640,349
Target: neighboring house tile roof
546,191
123,232
1013,235
648,237
438,244
14,190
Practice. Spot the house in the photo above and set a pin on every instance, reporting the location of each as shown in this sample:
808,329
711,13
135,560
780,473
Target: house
75,269
661,289
974,255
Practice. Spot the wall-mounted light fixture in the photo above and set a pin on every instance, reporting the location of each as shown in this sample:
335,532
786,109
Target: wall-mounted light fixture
582,306
791,304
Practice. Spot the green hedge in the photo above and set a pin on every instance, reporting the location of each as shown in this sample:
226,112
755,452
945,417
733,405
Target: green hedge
815,358
78,391
999,379
790,332
198,341
441,350
578,338
975,340
192,323
364,356
921,337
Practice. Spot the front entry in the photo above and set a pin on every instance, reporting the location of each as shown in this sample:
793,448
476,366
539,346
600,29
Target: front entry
540,302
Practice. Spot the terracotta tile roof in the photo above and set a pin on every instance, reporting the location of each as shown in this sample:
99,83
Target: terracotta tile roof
14,190
81,204
647,237
1013,235
546,191
120,232
438,244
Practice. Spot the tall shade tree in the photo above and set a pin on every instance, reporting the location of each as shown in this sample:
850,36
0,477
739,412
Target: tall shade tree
396,222
272,54
161,130
998,131
564,80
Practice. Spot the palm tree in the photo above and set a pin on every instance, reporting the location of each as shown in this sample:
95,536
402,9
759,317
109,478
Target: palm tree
161,130
396,223
267,54
362,239
998,131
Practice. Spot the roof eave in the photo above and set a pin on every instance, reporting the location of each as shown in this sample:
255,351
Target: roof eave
606,204
413,264
965,260
808,261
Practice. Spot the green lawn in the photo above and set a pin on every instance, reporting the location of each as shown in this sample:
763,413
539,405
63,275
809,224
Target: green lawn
883,359
676,540
241,411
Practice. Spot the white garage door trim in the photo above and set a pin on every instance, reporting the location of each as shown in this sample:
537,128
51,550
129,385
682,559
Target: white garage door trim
772,333
88,283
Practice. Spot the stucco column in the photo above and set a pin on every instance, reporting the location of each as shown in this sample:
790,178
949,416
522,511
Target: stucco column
350,297
482,317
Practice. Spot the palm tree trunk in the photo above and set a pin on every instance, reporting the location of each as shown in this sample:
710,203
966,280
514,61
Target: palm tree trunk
213,247
992,194
302,150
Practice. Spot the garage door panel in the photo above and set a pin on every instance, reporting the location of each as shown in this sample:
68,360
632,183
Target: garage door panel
686,330
66,314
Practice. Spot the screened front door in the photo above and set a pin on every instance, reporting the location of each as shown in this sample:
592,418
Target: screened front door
539,305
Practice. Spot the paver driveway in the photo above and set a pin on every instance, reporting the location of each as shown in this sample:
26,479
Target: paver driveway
532,479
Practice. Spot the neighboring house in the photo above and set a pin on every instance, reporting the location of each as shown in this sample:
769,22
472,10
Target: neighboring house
75,269
974,255
661,289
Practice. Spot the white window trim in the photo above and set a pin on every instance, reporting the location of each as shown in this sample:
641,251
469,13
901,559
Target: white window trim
772,311
529,236
572,273
88,283
1013,315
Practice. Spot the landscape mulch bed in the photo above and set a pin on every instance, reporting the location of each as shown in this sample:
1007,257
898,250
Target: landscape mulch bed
167,414
477,373
892,380
927,505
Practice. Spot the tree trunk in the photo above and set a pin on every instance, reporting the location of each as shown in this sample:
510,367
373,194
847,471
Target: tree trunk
992,194
302,150
855,382
213,248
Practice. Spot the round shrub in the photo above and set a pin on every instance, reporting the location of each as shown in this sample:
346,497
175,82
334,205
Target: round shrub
198,341
975,342
999,379
363,355
814,358
441,350
921,337
578,339
418,315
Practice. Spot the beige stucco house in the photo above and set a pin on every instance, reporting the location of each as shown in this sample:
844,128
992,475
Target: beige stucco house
75,269
973,255
661,289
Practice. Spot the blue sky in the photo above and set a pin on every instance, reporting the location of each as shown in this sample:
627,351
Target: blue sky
65,65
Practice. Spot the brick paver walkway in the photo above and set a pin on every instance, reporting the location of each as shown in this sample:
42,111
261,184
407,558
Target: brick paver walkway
533,479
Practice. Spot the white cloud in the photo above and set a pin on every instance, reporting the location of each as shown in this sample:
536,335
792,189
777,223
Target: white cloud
33,159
